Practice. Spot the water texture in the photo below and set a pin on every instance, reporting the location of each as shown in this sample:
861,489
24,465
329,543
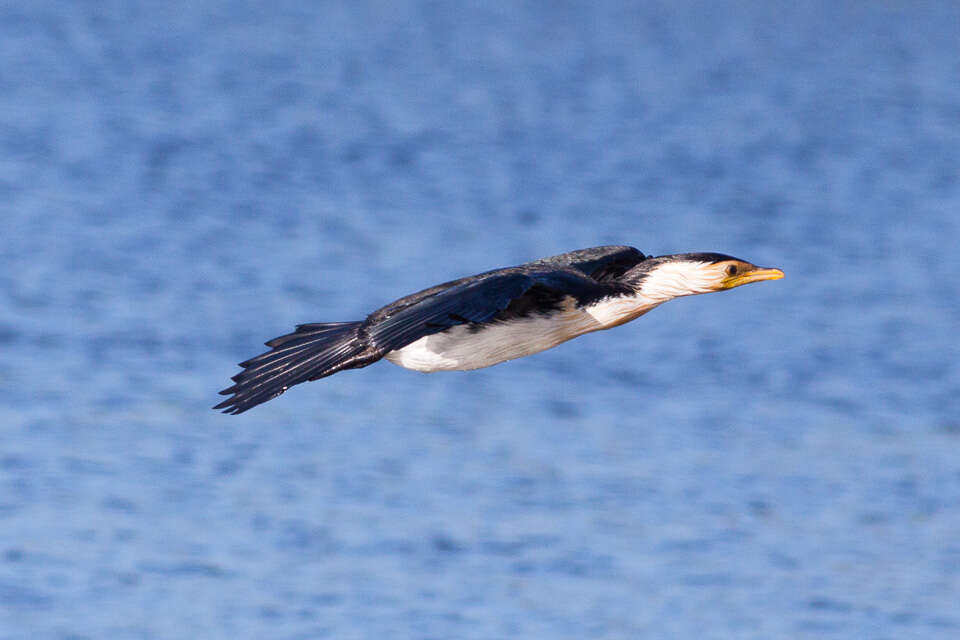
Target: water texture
181,181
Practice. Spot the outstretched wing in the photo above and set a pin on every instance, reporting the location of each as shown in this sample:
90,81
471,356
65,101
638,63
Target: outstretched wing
601,264
477,301
317,350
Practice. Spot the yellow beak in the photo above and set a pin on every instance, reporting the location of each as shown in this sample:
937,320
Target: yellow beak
754,275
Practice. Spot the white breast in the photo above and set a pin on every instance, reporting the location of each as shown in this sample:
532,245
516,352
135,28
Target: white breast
459,348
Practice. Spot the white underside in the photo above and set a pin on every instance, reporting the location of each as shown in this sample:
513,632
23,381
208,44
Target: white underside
459,349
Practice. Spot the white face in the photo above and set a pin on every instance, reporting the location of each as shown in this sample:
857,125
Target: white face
687,277
675,279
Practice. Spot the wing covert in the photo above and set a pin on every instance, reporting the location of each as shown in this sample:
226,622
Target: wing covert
600,263
475,301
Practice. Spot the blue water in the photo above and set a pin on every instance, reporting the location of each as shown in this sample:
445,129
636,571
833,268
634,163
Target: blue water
181,181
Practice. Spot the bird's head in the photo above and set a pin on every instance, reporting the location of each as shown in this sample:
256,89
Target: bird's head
685,274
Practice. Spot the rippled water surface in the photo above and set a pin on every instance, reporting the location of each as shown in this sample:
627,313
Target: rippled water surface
182,181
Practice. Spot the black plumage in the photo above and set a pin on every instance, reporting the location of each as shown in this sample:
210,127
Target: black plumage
315,351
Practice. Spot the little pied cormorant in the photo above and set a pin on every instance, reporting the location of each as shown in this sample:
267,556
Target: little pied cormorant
492,317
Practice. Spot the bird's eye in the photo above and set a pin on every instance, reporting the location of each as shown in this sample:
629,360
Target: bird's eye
732,270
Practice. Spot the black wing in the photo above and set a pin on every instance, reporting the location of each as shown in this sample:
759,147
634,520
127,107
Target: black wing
600,263
477,300
317,350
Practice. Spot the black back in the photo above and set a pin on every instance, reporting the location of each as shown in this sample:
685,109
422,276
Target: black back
502,294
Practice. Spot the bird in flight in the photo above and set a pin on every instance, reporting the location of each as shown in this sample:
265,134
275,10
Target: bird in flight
492,317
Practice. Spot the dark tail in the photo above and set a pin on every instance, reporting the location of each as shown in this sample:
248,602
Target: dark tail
313,351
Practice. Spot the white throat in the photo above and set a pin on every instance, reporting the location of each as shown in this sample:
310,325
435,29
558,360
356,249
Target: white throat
674,279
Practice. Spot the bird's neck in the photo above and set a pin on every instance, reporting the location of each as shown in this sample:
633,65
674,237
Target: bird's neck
672,280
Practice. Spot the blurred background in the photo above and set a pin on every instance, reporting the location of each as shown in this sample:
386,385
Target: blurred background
181,181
